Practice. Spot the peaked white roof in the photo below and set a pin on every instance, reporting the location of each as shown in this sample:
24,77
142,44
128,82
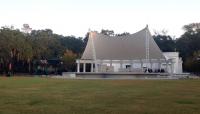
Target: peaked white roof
128,47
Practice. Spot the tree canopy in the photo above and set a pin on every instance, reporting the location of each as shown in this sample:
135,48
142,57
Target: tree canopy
21,49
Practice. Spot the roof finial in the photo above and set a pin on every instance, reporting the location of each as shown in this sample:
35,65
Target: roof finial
146,25
89,30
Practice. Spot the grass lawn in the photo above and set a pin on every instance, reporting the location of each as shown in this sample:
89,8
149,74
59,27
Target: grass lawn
26,95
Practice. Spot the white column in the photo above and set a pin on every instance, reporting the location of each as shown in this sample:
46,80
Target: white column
141,63
110,63
147,65
150,64
159,64
121,62
96,67
92,65
78,65
110,69
172,70
132,63
147,69
167,65
84,67
101,63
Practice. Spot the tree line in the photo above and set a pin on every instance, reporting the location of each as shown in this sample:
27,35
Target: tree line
23,52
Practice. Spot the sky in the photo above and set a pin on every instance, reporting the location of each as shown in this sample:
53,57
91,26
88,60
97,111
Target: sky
77,17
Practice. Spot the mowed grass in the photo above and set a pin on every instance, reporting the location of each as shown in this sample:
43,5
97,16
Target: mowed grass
26,95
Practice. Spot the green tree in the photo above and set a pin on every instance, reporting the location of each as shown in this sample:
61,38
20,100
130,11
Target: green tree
192,63
188,45
14,47
69,59
45,44
165,42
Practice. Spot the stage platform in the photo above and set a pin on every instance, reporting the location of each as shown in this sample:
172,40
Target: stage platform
122,75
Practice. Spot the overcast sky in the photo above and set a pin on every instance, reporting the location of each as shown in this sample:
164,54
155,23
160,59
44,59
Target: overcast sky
76,17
